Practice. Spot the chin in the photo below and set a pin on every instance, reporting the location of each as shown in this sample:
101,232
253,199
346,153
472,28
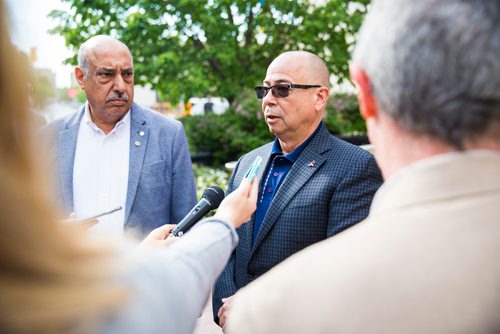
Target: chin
273,131
120,109
116,114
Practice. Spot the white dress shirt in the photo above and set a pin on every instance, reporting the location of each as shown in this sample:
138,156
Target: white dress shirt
100,173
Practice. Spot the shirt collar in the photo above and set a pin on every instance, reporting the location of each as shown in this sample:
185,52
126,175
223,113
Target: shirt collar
119,126
294,155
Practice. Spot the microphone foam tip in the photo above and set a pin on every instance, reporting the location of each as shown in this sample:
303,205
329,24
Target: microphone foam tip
214,195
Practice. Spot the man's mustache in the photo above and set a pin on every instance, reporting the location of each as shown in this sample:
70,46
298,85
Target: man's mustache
116,97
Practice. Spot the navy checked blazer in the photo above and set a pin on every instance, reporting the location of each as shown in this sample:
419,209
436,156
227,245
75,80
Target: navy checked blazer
314,202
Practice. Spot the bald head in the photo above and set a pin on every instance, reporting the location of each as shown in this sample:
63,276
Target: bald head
95,44
312,67
299,88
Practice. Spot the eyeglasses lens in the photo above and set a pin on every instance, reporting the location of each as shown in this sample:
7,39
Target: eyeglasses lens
261,91
278,91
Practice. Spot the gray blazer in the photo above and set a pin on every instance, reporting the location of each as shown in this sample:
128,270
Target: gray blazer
169,286
161,188
314,202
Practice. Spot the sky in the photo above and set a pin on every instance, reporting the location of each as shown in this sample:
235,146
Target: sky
29,26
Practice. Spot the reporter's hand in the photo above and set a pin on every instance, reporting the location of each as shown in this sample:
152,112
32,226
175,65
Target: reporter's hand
159,236
239,205
89,223
85,224
223,311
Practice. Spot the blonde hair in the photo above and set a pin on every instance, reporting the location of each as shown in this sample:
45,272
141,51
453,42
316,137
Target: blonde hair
53,279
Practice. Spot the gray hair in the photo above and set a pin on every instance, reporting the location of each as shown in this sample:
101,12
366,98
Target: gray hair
435,65
82,60
91,44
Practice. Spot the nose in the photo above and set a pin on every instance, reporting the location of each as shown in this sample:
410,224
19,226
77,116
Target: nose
268,100
119,84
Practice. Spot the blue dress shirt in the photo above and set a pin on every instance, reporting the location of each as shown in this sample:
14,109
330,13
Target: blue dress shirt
275,174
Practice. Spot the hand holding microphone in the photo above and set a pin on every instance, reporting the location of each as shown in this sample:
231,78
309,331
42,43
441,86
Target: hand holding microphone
166,234
211,199
237,208
159,237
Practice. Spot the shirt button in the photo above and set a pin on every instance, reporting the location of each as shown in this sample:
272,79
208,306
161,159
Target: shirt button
270,190
276,174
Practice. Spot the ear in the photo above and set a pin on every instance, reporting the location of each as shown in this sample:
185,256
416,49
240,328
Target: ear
79,75
322,98
367,101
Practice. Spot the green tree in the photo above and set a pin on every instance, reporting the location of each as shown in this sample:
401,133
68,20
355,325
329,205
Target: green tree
192,47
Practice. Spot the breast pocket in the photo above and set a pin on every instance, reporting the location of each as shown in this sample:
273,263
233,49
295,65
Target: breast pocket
155,181
155,167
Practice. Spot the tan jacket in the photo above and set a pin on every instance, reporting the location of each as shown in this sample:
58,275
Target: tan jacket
426,260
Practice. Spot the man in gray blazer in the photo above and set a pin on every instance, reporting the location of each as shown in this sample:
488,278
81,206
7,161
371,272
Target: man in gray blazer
115,153
312,184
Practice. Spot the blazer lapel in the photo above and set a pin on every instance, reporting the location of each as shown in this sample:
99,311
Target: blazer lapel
139,134
309,161
67,139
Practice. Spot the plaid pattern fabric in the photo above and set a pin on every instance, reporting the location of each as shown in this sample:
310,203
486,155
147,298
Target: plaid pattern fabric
328,189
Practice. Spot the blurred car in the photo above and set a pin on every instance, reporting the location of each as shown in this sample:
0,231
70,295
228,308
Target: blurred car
219,105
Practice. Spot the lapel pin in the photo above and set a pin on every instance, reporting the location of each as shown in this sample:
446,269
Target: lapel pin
312,163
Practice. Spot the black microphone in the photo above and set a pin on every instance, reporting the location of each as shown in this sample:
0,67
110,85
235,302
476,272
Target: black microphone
211,199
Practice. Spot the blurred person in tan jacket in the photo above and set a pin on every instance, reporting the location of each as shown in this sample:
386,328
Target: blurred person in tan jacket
426,258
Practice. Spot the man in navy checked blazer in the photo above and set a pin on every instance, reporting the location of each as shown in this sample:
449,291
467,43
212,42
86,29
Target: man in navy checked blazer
312,185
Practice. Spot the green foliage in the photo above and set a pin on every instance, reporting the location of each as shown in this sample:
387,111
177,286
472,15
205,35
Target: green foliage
195,47
81,97
343,117
226,137
208,176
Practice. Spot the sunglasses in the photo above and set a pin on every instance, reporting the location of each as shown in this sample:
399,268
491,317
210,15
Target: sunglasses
280,90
